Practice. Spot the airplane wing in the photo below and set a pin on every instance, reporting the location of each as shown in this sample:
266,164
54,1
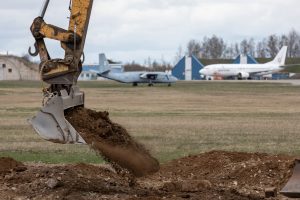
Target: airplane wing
98,72
291,68
261,73
284,68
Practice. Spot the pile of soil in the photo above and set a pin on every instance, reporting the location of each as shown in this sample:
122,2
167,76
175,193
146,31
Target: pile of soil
9,165
246,174
112,141
212,175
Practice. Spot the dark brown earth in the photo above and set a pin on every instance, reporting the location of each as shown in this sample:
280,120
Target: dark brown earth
212,175
112,142
9,165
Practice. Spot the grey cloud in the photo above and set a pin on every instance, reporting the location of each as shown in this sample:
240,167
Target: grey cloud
137,29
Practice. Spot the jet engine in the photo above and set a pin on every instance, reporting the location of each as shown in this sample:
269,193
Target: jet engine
243,75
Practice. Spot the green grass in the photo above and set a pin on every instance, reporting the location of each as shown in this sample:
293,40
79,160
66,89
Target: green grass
20,84
187,118
237,87
52,157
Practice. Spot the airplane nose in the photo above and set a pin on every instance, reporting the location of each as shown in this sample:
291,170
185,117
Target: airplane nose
201,71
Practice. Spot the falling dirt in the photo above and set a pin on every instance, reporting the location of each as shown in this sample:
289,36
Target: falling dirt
212,175
112,141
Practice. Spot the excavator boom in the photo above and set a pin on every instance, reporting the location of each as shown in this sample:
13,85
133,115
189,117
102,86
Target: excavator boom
61,74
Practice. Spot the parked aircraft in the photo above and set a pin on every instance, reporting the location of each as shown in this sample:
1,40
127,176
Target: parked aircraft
245,71
117,73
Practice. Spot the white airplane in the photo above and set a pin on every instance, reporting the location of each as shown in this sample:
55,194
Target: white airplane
245,71
107,70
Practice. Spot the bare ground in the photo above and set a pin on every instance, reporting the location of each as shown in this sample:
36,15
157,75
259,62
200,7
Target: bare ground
212,175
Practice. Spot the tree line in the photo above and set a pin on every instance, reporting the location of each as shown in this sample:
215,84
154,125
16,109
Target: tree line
148,66
215,47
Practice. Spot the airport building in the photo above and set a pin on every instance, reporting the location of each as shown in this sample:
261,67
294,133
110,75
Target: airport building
245,59
16,68
188,69
87,74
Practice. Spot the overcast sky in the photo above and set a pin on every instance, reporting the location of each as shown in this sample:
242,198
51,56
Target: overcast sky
129,30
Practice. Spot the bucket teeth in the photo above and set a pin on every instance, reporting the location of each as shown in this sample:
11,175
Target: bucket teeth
50,122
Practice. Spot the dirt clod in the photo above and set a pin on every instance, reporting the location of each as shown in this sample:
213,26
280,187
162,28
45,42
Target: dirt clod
52,183
271,192
9,164
112,141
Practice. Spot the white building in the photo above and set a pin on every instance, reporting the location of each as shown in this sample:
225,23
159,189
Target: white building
16,68
87,74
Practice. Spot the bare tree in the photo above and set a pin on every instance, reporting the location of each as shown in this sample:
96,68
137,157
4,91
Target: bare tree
217,47
247,47
261,49
193,48
244,46
251,47
205,49
213,47
272,45
179,55
229,52
293,39
237,50
283,41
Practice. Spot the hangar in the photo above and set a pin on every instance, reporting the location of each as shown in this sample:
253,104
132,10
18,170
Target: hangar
245,59
16,68
188,69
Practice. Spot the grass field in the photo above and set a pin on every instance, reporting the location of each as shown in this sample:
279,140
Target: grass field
187,118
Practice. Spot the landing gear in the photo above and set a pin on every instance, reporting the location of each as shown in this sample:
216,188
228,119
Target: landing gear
169,85
240,76
134,84
150,84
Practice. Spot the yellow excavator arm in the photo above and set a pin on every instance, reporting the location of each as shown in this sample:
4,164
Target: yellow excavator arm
66,70
62,73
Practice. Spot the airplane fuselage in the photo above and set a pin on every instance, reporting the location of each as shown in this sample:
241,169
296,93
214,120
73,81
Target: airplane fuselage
228,70
246,70
140,77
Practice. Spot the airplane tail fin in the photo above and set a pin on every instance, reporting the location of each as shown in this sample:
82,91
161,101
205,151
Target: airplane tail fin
281,56
103,64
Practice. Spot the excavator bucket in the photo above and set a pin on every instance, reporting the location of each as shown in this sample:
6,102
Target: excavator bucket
292,188
50,122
